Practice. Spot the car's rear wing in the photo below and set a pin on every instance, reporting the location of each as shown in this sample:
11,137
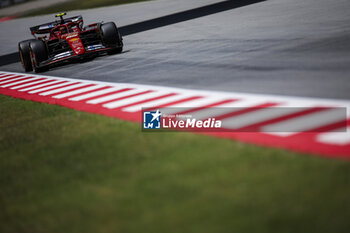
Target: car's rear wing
46,28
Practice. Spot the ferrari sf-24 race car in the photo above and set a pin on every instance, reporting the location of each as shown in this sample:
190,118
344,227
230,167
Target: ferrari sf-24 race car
68,39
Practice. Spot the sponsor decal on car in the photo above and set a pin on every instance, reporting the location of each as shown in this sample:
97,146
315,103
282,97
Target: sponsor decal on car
70,35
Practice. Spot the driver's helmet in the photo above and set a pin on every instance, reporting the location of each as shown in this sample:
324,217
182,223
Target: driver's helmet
63,30
72,28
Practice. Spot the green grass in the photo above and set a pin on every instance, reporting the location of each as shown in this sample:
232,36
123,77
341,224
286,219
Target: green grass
77,5
67,171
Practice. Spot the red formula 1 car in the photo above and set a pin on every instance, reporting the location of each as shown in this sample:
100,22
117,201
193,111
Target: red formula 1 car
67,39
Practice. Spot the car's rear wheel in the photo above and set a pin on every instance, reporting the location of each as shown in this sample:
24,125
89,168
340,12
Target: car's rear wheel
24,53
38,54
111,37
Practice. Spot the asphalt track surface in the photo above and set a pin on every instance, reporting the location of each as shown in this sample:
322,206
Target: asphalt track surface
284,47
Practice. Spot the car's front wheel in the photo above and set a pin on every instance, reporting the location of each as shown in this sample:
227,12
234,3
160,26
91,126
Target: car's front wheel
24,53
38,54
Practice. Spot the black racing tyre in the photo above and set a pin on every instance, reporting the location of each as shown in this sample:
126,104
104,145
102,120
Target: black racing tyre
115,50
111,37
38,52
24,53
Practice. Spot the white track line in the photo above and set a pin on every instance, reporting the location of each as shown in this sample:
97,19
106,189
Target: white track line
158,102
9,76
115,96
64,89
19,82
13,79
96,93
224,108
41,85
183,106
29,84
134,99
70,93
51,87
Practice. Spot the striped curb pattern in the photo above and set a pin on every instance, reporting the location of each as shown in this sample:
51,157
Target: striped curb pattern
124,101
